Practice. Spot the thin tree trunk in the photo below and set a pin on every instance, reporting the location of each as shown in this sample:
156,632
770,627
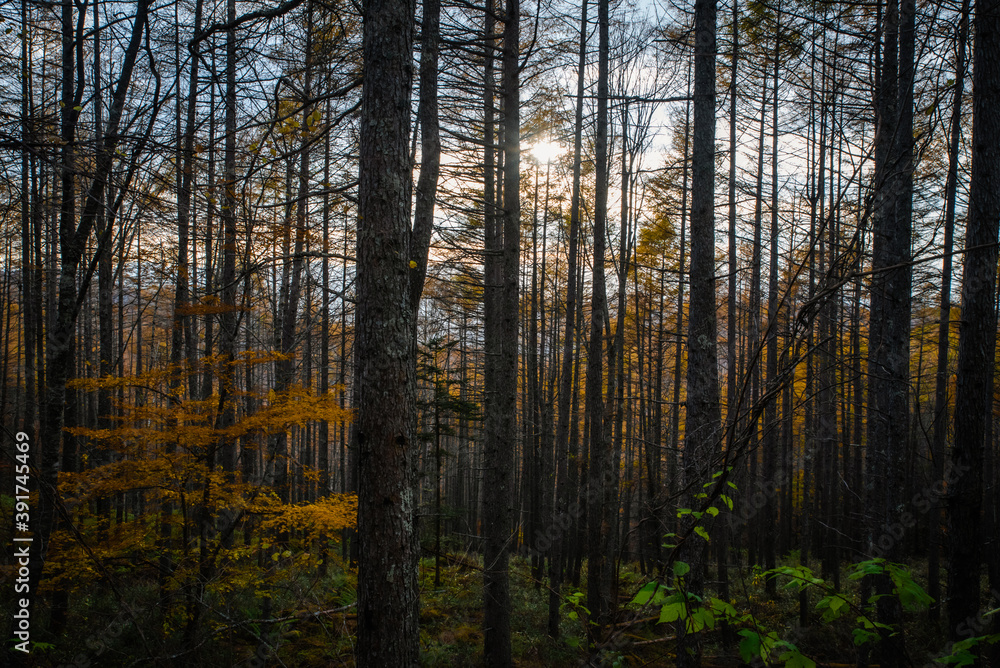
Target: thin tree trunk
598,580
941,417
323,456
704,419
430,149
770,414
673,474
559,547
72,237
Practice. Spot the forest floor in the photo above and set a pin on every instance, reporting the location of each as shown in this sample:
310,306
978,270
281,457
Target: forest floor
451,623
310,621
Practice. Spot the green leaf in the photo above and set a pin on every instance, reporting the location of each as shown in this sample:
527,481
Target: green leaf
750,645
911,595
701,532
671,612
712,510
861,636
699,619
870,567
832,605
681,568
795,659
646,593
726,500
724,608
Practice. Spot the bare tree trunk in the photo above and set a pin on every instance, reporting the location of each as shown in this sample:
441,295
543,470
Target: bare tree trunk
30,222
559,547
673,474
732,395
72,237
771,444
385,371
758,540
323,456
888,362
704,419
941,417
598,581
498,456
430,149
977,335
228,320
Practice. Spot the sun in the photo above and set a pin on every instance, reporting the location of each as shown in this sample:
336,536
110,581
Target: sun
546,151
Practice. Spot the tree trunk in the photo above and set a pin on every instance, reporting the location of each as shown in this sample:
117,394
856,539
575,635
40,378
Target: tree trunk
563,491
385,371
498,457
430,149
977,335
599,471
888,361
72,238
941,417
771,444
704,419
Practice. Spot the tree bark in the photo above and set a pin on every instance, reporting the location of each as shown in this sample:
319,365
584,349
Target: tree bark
704,418
599,471
888,361
385,370
977,333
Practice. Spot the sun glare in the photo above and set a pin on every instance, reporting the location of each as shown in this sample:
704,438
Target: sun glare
546,151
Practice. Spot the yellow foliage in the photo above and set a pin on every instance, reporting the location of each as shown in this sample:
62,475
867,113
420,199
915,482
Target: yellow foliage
324,516
163,451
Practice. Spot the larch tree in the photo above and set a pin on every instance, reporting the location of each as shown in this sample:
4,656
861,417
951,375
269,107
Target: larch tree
560,547
600,475
702,429
385,369
941,422
74,242
498,459
889,340
977,333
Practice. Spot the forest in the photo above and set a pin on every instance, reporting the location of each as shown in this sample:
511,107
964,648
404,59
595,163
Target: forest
387,333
